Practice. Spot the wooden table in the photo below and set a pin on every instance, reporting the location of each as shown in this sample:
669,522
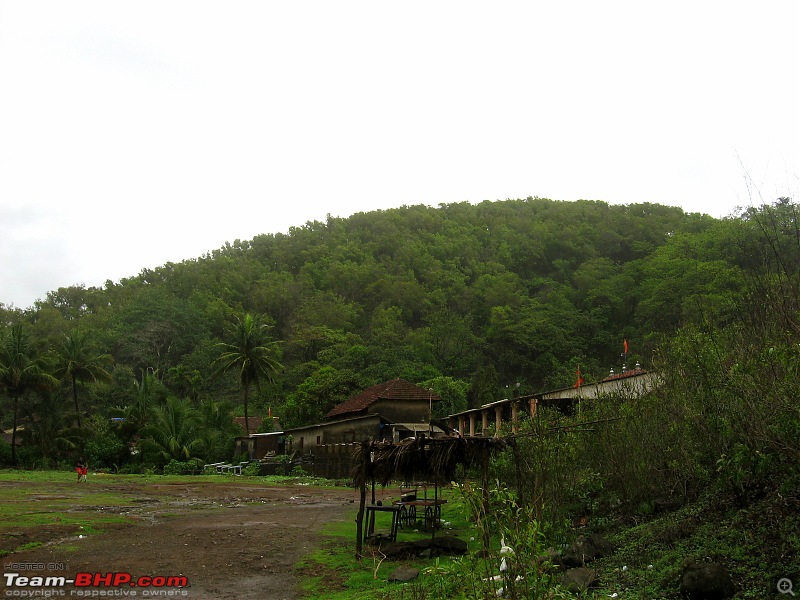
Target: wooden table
372,509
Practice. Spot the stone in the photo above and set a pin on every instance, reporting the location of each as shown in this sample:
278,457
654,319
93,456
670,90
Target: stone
579,579
550,556
399,550
601,545
403,573
587,549
706,581
450,545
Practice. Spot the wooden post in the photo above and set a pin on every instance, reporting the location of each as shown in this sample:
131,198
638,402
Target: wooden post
435,499
363,470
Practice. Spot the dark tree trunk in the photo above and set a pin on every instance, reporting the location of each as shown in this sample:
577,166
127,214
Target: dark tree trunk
14,435
75,397
246,415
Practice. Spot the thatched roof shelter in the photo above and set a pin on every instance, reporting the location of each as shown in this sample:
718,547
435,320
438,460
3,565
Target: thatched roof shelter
432,460
420,459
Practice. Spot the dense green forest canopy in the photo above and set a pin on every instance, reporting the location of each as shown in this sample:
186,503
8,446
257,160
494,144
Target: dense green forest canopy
466,298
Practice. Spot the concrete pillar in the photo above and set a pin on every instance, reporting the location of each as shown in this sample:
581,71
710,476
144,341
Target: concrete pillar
472,423
533,404
484,420
498,419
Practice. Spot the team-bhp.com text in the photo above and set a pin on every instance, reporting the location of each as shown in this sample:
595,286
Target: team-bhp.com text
94,585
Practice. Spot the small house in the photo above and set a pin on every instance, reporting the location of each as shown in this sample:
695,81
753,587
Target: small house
391,410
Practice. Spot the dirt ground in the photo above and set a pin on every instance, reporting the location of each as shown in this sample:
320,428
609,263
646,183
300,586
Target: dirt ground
236,539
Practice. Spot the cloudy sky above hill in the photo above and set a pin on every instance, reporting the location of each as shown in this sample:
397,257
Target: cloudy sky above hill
136,133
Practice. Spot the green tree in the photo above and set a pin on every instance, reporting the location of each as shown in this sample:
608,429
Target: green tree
252,355
22,371
217,431
49,427
172,432
78,362
137,412
483,387
453,394
321,391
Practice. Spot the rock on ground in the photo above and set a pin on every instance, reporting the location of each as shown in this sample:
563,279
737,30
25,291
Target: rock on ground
706,581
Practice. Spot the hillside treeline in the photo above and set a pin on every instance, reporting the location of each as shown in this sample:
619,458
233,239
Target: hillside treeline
466,299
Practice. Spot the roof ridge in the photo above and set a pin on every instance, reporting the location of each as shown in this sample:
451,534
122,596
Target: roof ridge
393,389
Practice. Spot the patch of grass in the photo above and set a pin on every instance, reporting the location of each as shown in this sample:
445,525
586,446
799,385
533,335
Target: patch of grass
757,544
333,572
43,504
51,503
22,548
29,546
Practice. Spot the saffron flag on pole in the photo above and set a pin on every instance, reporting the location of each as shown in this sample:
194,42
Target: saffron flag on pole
625,345
579,382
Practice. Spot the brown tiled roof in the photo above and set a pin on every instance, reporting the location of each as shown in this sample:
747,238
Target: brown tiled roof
396,389
624,374
255,423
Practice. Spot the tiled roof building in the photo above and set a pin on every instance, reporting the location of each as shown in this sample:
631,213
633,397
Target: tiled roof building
395,392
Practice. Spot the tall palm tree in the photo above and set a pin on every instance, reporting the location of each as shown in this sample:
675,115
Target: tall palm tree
21,371
217,430
78,362
172,431
251,354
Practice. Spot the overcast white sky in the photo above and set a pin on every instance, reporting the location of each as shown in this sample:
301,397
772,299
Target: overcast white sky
136,133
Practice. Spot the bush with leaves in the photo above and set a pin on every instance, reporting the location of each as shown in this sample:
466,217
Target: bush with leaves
513,563
103,448
542,465
188,467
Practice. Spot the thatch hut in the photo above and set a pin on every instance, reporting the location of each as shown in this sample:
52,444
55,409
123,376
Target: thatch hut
433,460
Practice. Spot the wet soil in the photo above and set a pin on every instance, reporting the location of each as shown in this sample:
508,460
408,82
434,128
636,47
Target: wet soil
235,539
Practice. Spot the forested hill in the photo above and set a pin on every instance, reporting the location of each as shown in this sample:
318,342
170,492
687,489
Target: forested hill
484,295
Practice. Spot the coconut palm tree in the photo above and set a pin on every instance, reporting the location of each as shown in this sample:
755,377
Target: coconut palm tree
21,371
172,431
217,430
77,361
251,354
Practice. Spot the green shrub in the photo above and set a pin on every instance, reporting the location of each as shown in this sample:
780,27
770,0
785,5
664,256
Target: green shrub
190,467
5,453
252,469
298,471
105,451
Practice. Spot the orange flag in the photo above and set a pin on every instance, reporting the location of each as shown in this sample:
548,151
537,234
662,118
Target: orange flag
580,378
625,345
